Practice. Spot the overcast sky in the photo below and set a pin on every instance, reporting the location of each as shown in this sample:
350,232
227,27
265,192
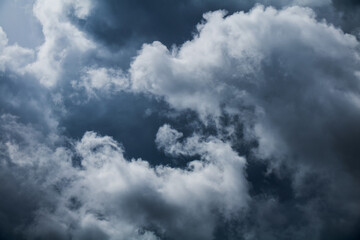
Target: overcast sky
180,119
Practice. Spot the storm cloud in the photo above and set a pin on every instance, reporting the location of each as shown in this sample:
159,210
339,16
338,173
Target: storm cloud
179,119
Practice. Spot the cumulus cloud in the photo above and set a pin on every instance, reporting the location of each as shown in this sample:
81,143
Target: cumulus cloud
273,83
106,80
110,197
292,80
169,22
61,38
274,68
13,57
20,93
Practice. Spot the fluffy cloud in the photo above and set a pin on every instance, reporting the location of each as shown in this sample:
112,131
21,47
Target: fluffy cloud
13,57
282,71
279,82
20,93
292,81
169,22
62,39
110,197
107,80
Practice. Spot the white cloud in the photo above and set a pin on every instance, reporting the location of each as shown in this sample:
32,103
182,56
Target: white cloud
269,66
107,80
13,57
122,199
168,198
292,80
167,140
62,38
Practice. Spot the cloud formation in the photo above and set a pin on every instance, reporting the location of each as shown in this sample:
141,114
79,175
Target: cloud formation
293,81
182,120
110,197
274,68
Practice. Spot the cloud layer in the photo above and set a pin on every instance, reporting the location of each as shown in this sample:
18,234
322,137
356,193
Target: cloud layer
110,197
189,120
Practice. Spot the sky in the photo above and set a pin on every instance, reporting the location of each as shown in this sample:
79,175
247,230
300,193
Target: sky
180,119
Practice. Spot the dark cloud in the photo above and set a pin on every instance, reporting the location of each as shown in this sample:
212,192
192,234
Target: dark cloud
346,3
25,98
298,99
235,125
348,14
135,22
128,24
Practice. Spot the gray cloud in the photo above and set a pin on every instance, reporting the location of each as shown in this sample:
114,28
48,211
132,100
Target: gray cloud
292,80
308,70
112,197
275,86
